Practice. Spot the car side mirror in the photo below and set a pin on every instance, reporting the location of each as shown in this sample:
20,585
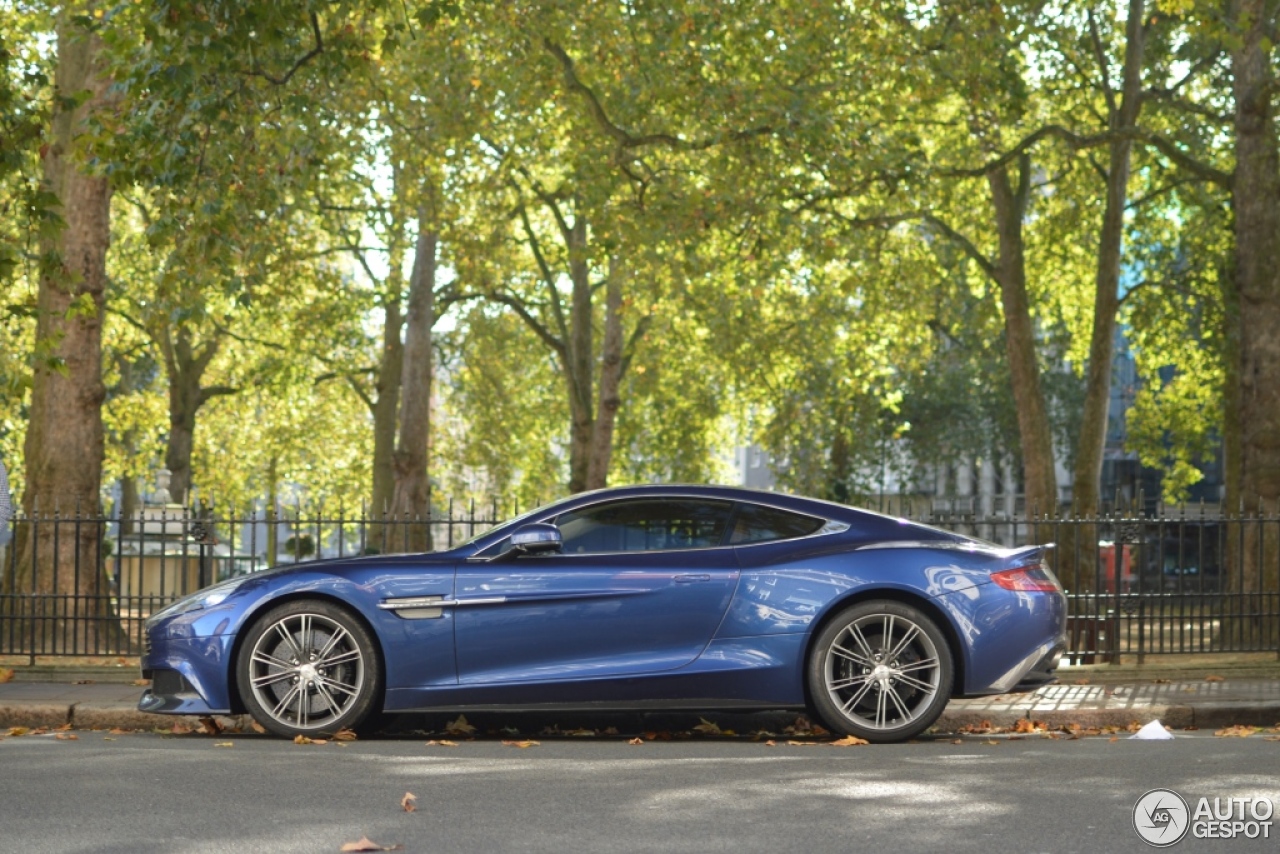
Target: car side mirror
536,538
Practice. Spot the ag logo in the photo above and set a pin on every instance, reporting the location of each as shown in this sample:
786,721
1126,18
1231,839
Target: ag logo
1161,817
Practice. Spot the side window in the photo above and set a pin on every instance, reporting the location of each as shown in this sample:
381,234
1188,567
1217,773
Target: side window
644,525
756,524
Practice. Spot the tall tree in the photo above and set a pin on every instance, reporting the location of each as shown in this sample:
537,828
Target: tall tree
64,444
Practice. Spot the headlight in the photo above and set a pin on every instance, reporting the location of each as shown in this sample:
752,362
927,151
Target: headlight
206,598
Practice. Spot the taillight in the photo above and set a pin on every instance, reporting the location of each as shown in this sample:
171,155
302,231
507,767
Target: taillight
1034,577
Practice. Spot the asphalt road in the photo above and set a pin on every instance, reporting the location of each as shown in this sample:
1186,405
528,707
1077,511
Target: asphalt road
152,793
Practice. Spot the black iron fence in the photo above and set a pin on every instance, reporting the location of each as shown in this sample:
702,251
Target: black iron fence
1186,582
74,585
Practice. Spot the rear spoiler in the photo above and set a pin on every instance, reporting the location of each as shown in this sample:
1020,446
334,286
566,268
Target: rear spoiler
1028,551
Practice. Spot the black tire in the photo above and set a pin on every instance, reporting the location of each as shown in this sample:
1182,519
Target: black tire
880,670
309,668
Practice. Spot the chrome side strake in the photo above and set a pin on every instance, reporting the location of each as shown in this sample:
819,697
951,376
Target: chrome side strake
432,607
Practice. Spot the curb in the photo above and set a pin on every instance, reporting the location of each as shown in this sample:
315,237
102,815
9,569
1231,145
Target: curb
1205,716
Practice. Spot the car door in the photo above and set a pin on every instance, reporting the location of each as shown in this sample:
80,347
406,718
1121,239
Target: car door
640,586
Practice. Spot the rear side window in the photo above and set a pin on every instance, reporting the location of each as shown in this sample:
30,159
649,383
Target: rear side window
756,524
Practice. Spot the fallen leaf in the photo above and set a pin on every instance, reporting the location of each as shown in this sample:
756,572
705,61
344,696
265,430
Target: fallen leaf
319,741
118,731
181,729
1082,681
210,726
1271,738
980,728
301,739
459,727
224,744
848,741
957,741
1213,678
1023,725
67,736
771,743
366,844
1237,731
142,683
258,728
1133,726
1162,681
707,727
345,735
636,741
6,674
525,743
107,738
407,803
442,743
63,728
1114,738
990,741
802,726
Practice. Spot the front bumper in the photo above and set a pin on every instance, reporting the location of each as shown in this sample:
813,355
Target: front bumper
189,676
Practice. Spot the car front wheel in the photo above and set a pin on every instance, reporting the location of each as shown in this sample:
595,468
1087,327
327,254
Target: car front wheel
881,670
309,668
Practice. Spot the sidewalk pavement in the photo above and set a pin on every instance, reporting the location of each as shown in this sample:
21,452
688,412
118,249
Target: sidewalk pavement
1202,693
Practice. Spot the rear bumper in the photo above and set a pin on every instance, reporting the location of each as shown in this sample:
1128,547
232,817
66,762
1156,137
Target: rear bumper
1034,671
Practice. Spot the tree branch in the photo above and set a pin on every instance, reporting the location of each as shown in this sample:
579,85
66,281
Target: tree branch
303,60
964,243
626,140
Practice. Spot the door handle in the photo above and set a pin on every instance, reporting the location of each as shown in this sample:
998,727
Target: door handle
690,579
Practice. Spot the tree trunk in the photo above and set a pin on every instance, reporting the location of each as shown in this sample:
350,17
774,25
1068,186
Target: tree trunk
1257,226
610,381
185,367
386,408
1087,477
413,487
64,444
579,374
1010,272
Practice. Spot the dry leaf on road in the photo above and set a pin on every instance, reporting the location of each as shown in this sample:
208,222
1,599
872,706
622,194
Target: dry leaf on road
525,743
210,726
459,727
1214,678
345,735
848,741
258,728
636,741
225,744
301,739
408,802
1237,731
67,736
367,844
706,727
6,674
442,743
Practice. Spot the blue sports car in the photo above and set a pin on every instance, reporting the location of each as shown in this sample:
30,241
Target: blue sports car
644,597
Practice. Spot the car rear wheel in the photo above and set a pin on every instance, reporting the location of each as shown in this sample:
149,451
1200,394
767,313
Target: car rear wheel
309,668
881,671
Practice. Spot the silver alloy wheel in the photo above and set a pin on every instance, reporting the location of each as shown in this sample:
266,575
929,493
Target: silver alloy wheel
306,670
883,671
